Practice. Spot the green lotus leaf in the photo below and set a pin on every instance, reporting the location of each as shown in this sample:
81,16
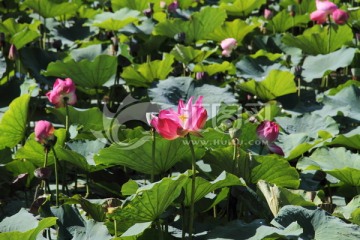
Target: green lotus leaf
344,103
241,8
194,29
204,187
90,74
167,93
315,40
237,29
283,21
138,154
49,9
14,121
276,84
149,202
23,225
349,212
350,139
329,62
117,20
338,162
276,170
214,68
187,54
142,75
316,223
20,34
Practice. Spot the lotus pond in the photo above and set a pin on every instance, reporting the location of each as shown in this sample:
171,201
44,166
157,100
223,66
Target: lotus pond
179,119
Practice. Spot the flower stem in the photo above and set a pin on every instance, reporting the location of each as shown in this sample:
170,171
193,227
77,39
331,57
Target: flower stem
45,163
153,155
329,39
67,119
56,177
193,179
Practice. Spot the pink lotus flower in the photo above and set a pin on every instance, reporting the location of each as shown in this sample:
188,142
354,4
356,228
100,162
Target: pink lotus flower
268,132
44,132
326,6
228,45
340,16
63,90
189,118
319,16
268,14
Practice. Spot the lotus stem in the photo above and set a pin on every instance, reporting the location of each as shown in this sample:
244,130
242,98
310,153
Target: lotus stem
153,155
193,179
56,178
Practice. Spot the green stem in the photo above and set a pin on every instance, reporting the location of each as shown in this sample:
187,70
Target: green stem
153,155
98,98
56,178
329,39
115,228
45,164
193,179
67,118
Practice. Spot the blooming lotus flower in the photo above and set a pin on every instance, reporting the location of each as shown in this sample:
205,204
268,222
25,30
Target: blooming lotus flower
63,90
228,45
268,132
189,118
319,16
340,16
326,6
44,132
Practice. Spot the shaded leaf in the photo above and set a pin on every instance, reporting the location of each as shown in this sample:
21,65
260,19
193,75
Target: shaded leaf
317,223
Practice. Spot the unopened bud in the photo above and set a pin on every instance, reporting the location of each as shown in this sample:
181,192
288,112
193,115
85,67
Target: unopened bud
13,53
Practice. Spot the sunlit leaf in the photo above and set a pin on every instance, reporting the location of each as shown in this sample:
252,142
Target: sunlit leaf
194,29
23,225
214,68
13,123
241,8
276,170
283,21
187,54
315,40
142,75
338,162
277,83
91,74
150,201
203,187
237,29
48,8
329,62
115,21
